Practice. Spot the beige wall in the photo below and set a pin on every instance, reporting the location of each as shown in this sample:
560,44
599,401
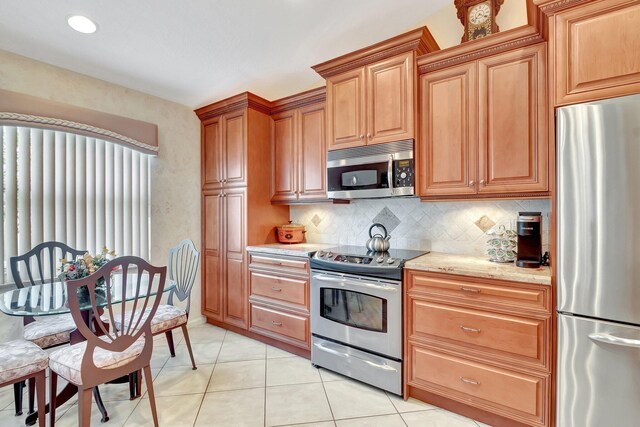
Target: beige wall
175,172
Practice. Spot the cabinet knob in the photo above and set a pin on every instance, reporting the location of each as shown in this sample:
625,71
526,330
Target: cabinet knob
274,323
361,136
482,182
369,135
472,183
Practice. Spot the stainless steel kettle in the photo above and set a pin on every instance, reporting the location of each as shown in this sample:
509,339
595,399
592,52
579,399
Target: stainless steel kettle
378,242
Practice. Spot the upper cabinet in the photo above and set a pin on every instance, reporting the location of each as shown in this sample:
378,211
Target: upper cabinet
346,109
225,152
299,145
597,48
371,93
484,125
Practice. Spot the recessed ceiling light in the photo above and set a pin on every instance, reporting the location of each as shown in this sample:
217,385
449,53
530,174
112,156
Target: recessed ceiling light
82,24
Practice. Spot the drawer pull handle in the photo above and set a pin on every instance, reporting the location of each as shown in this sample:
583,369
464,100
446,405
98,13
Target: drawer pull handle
468,381
274,323
465,328
273,288
473,290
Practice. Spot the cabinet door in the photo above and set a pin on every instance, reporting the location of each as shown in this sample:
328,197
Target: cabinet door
597,51
513,137
390,99
312,148
211,153
235,292
346,109
234,133
212,277
447,147
283,140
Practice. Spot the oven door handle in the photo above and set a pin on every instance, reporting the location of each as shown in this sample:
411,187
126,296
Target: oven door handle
346,282
322,347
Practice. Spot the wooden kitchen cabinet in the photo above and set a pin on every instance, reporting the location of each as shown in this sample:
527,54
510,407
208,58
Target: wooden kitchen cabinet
482,344
373,104
484,127
449,128
279,287
371,93
298,138
224,150
347,115
513,141
390,98
235,186
597,48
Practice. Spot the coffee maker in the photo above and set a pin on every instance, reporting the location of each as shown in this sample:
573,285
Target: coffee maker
529,240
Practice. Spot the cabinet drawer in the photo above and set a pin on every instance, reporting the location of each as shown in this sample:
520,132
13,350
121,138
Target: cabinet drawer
504,392
281,288
512,294
278,324
515,336
293,265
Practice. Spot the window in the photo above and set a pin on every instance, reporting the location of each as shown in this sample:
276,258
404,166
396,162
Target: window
84,191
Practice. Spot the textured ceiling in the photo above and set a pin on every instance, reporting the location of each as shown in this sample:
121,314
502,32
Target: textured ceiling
197,51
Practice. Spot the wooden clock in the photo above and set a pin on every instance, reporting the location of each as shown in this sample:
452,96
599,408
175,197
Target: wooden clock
478,17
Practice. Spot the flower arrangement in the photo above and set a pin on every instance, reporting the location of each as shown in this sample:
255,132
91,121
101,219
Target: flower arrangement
84,266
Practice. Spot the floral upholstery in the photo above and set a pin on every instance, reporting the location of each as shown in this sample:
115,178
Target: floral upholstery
20,359
167,317
49,331
67,361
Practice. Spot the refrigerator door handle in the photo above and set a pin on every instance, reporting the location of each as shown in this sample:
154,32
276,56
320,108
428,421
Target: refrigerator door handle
612,339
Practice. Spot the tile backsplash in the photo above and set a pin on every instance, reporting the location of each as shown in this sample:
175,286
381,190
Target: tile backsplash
452,227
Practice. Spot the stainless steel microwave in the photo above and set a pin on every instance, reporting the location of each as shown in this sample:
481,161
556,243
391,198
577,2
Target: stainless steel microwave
372,171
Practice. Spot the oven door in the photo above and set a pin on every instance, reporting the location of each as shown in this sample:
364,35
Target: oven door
362,312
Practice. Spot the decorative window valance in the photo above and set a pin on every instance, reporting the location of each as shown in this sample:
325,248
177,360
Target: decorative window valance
24,110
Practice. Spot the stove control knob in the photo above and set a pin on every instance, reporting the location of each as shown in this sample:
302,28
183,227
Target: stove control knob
391,261
380,260
329,254
320,253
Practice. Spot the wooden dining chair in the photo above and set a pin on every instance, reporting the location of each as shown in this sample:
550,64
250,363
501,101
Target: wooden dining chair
183,266
110,353
21,360
40,266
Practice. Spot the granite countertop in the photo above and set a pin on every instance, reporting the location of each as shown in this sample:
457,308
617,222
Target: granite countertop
478,266
290,249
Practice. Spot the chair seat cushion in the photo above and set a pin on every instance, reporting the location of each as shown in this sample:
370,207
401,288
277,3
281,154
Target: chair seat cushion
49,331
20,359
67,361
167,317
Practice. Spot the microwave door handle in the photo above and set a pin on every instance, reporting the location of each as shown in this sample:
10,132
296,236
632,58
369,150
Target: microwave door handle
345,282
390,173
612,339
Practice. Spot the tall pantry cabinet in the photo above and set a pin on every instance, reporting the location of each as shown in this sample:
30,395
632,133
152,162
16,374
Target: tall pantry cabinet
236,177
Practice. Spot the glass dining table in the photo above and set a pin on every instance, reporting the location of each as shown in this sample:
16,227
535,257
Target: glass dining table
49,299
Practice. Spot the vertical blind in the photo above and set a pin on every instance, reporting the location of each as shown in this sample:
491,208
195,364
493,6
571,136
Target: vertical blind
83,191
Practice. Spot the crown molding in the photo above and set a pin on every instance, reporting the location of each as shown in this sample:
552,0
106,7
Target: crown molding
419,40
549,7
234,103
469,51
298,100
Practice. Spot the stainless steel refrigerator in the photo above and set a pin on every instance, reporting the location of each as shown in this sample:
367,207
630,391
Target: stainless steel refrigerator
598,170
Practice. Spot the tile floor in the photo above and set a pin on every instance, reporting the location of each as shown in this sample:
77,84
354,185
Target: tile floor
242,382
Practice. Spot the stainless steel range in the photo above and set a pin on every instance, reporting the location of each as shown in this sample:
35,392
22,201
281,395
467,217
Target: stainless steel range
356,313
